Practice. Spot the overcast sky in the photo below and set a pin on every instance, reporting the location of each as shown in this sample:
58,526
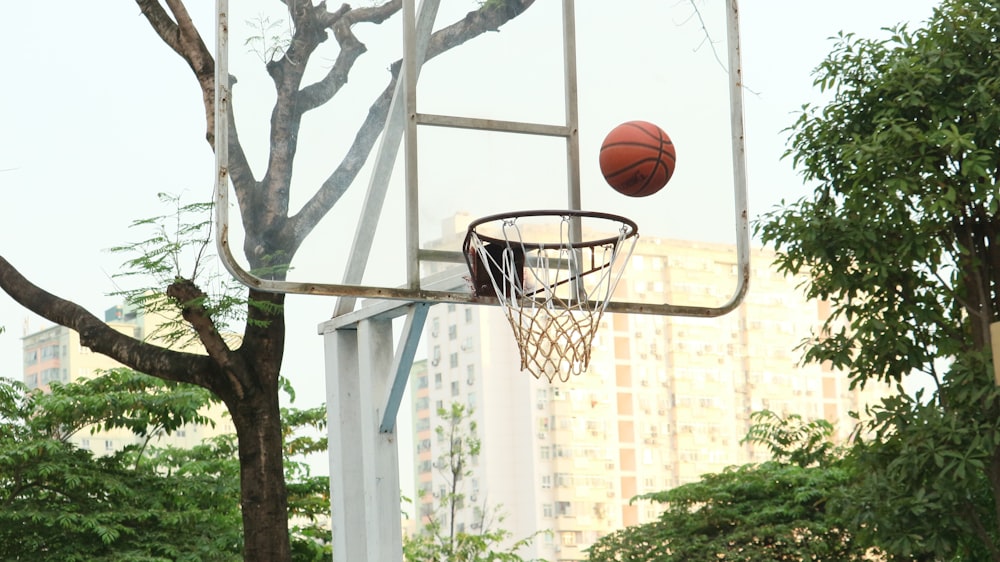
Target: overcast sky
97,116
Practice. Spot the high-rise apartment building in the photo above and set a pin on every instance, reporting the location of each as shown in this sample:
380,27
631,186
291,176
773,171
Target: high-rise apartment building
665,399
54,354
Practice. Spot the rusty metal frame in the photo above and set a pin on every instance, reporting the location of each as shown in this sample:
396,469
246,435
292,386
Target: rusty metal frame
416,30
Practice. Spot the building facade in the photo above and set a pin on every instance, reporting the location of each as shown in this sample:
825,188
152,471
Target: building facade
55,354
664,400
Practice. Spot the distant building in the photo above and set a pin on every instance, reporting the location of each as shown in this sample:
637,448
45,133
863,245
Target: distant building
665,399
55,355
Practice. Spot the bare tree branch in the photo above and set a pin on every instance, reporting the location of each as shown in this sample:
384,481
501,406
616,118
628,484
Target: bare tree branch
191,300
182,36
711,43
489,17
351,48
98,336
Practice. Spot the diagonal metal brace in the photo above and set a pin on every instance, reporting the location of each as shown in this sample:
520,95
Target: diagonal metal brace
416,316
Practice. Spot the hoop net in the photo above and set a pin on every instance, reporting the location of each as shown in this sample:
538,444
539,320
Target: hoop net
553,292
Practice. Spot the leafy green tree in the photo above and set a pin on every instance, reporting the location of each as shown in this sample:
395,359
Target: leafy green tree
143,503
900,235
61,502
777,510
308,494
439,538
246,375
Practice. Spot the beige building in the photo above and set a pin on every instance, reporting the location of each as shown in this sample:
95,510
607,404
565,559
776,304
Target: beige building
665,399
55,355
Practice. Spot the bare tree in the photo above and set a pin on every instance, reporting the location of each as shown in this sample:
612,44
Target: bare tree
246,378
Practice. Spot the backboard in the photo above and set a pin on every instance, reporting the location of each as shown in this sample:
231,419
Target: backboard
508,121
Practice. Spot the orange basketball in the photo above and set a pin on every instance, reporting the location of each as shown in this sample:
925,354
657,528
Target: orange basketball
637,158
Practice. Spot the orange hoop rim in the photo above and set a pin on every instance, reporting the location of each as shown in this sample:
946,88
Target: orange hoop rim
629,224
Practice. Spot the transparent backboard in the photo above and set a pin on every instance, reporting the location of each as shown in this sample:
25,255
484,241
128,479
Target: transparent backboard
562,75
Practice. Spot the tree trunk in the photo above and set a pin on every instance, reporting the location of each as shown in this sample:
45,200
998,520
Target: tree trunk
263,496
247,380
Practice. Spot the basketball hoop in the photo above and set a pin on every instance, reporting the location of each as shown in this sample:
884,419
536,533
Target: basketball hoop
552,283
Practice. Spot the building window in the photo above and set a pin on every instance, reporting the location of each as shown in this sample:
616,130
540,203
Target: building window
453,360
109,445
439,405
422,381
564,509
435,327
547,510
546,481
452,332
436,356
468,315
454,388
437,380
451,307
472,401
470,374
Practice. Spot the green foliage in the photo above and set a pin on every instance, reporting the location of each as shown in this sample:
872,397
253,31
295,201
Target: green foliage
899,236
60,502
121,398
178,246
923,474
177,249
439,538
269,39
769,511
904,156
308,495
792,439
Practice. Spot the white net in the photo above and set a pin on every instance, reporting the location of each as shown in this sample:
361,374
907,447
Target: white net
554,291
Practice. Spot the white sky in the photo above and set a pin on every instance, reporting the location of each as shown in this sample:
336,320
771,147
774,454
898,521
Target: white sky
97,116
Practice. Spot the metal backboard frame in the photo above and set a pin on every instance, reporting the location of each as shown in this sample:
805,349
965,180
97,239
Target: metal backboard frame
402,124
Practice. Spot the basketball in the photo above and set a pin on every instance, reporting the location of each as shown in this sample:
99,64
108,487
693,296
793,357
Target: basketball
637,158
